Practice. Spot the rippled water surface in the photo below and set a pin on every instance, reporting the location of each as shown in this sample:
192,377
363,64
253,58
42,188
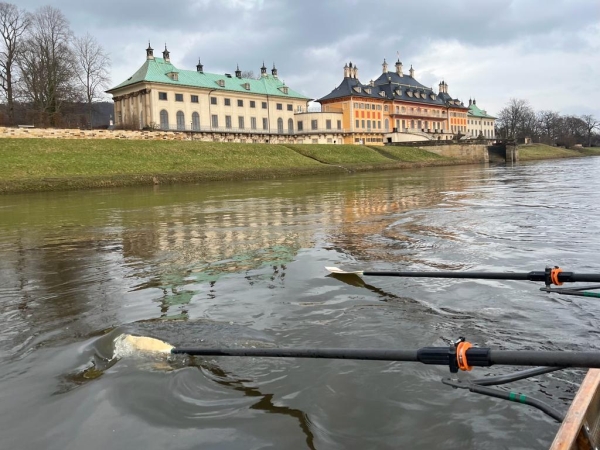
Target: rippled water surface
242,265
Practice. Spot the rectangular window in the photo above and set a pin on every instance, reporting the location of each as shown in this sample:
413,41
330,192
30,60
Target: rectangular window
213,100
362,123
290,107
252,104
162,95
265,123
379,124
264,105
315,141
215,121
227,102
241,122
280,106
356,105
178,97
328,124
313,124
369,124
253,123
300,125
194,99
358,124
339,124
240,103
227,121
329,140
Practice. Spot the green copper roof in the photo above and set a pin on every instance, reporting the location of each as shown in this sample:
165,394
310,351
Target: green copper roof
156,71
475,111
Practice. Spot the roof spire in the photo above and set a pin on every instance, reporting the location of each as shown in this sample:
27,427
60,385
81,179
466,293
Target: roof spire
149,51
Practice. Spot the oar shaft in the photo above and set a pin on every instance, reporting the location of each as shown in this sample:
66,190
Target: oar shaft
563,277
545,358
481,357
328,353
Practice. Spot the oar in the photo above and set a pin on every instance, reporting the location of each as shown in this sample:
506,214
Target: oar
462,355
549,276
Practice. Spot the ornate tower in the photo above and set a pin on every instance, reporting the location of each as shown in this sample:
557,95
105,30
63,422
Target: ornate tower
274,71
199,66
411,72
399,68
149,52
238,72
263,70
166,56
385,66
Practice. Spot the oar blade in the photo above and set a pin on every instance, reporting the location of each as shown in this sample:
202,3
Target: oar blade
339,271
143,344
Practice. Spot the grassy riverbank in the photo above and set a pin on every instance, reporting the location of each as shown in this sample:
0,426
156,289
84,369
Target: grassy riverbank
531,152
57,164
60,164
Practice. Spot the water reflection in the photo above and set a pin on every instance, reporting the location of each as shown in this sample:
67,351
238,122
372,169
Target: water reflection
251,255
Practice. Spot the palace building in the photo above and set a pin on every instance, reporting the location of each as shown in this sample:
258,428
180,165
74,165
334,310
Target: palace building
480,123
395,107
224,107
219,107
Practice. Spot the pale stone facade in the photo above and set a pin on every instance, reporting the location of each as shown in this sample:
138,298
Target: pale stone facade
480,123
228,107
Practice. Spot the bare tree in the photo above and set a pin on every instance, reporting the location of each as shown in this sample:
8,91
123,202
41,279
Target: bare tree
46,63
13,24
590,125
92,69
516,119
248,74
549,125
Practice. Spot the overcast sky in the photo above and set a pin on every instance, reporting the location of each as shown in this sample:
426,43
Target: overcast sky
545,51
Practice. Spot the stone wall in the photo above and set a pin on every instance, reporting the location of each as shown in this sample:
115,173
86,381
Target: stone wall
474,152
258,138
60,133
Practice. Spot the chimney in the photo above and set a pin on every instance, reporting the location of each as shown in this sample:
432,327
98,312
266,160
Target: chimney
199,66
371,83
274,71
238,72
166,54
346,71
411,72
149,52
263,70
385,66
399,68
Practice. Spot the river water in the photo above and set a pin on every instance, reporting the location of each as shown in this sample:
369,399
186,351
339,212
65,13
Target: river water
242,264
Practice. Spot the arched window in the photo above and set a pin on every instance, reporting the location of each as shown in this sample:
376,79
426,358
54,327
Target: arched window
290,126
195,121
180,120
164,120
280,125
387,125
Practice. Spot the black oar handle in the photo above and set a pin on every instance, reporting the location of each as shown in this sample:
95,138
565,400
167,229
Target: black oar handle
563,277
481,357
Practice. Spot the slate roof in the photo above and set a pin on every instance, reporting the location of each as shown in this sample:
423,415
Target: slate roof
156,70
475,111
391,86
